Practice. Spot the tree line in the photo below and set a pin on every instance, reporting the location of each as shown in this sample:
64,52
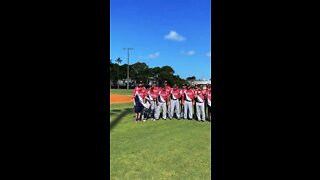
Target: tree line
141,72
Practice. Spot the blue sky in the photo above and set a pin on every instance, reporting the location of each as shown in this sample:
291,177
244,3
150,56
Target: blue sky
163,32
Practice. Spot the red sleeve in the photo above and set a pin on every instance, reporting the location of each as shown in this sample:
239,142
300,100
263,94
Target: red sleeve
134,92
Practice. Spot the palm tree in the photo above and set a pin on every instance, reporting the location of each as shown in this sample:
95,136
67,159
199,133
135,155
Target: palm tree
118,61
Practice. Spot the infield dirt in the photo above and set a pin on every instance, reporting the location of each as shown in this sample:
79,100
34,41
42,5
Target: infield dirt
117,98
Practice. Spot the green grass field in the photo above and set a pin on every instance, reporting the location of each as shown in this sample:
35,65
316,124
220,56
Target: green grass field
121,91
168,149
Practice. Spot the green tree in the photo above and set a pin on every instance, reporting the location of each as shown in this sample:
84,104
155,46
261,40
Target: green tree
154,73
192,78
166,74
140,72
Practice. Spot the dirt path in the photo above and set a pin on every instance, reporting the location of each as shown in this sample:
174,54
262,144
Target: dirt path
117,98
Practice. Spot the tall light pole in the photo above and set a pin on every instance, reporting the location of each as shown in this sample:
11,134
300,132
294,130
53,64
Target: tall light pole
128,66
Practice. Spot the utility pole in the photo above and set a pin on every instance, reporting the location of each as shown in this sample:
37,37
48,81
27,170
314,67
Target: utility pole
128,66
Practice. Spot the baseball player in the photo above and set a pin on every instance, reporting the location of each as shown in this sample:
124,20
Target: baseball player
199,99
137,87
156,89
204,91
181,93
209,102
188,102
168,89
195,89
144,113
162,102
143,87
174,102
139,102
152,97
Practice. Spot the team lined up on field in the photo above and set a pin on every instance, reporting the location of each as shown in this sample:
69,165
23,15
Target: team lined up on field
148,103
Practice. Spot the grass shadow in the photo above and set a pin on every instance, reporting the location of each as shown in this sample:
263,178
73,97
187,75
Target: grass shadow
116,110
120,117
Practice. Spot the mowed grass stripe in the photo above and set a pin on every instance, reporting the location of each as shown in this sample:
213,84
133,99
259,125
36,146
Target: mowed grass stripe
159,150
121,91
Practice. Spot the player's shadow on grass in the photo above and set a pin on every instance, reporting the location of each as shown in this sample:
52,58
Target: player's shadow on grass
120,117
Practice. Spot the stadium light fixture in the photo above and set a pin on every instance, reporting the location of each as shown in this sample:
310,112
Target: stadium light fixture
128,66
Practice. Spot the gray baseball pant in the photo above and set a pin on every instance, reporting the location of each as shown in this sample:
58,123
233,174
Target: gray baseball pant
174,105
152,108
181,110
144,114
187,106
200,108
162,106
209,112
205,107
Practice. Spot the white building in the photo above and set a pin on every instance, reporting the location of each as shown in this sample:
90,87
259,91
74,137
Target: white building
200,82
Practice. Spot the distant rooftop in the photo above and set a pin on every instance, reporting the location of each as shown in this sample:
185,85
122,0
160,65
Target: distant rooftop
201,82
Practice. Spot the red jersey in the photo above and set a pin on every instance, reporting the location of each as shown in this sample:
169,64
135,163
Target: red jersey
140,96
181,91
188,95
209,98
168,89
209,95
175,94
152,95
136,89
204,91
162,96
200,95
156,89
144,89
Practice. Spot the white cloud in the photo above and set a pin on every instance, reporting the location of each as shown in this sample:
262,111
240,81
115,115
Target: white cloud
209,54
189,53
153,56
173,35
